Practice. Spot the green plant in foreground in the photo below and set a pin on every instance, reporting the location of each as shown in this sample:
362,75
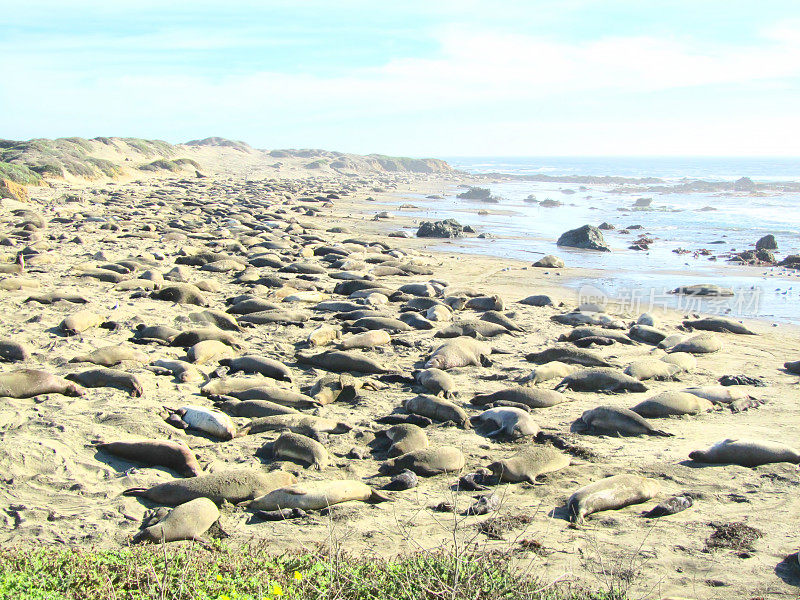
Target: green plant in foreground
217,572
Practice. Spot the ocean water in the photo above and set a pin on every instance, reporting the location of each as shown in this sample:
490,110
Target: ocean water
526,231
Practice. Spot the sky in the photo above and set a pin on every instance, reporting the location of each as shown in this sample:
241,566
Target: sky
434,78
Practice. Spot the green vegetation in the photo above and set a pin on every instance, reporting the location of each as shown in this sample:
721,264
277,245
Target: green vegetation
415,165
217,572
174,166
149,147
19,174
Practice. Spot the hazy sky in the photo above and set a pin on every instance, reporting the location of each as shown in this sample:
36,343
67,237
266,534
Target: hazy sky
432,78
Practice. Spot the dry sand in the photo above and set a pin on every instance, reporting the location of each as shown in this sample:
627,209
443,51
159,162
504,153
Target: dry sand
55,488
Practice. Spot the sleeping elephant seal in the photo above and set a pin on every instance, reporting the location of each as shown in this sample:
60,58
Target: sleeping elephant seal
460,352
209,351
298,423
252,409
652,368
549,371
747,453
182,293
341,360
180,369
672,403
262,365
299,448
529,396
111,355
174,455
528,464
11,351
510,422
405,438
317,495
213,422
437,409
616,421
436,381
720,325
601,380
792,366
189,521
26,383
80,322
570,355
705,343
426,462
611,493
233,485
113,378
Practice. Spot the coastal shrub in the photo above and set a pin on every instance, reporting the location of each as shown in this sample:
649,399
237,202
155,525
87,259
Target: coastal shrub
19,174
169,165
215,571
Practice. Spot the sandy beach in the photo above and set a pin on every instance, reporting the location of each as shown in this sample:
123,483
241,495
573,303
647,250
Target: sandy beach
57,488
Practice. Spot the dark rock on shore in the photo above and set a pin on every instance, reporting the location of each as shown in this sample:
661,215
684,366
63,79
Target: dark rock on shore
449,228
768,242
587,237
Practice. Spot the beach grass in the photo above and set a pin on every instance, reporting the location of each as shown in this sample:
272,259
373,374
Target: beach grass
219,572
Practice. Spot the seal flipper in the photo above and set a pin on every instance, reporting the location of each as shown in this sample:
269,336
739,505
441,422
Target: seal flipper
139,492
377,496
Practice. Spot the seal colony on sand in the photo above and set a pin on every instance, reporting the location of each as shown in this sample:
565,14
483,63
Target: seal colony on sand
242,339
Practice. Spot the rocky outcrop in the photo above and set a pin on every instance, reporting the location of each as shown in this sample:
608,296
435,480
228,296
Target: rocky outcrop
549,262
587,237
768,242
449,228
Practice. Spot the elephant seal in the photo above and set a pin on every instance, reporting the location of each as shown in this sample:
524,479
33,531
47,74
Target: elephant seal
26,383
11,351
426,462
342,386
436,381
671,403
252,363
338,361
485,303
308,425
528,464
570,355
493,316
705,343
529,396
209,351
747,453
112,378
687,362
189,521
580,333
368,339
792,366
646,334
387,324
510,422
316,495
652,368
417,321
405,438
300,448
276,395
190,337
217,318
233,485
111,355
474,329
252,409
182,371
292,317
173,455
460,352
616,421
720,325
154,334
225,386
549,371
670,506
322,336
601,379
53,297
437,409
181,293
80,322
719,394
611,493
213,422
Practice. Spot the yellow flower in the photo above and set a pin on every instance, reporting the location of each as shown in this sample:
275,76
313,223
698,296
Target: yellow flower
277,590
219,577
224,597
298,576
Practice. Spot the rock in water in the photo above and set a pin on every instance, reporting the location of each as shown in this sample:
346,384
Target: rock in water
587,237
449,228
549,262
768,242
